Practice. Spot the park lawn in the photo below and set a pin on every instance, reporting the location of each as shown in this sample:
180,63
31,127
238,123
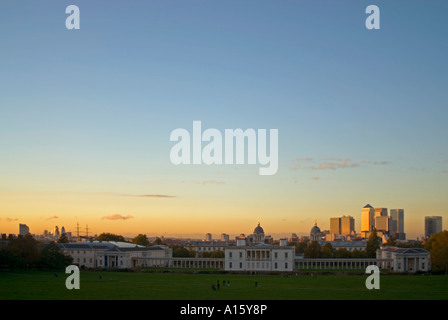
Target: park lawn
30,285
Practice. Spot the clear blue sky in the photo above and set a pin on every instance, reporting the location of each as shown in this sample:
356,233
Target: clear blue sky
86,110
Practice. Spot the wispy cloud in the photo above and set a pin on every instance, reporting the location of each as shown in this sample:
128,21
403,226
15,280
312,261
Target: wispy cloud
117,217
298,162
52,217
10,219
336,164
331,163
131,195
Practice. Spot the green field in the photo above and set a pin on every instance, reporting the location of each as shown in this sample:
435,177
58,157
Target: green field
187,286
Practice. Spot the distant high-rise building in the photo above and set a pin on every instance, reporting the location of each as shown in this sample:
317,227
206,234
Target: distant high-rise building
335,225
23,229
382,223
208,237
224,237
396,224
367,218
56,231
433,224
62,230
347,225
380,212
342,225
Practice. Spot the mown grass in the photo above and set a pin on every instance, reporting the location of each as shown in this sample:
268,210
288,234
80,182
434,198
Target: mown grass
29,285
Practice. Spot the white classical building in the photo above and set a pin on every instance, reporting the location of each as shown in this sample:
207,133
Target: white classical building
111,254
259,257
404,259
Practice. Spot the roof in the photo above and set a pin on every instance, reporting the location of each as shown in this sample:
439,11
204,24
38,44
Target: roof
405,250
368,206
108,246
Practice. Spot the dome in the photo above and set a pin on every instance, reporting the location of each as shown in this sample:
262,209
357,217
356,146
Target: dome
315,229
258,229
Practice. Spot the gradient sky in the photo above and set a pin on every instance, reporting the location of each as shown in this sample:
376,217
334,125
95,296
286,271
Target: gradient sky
86,115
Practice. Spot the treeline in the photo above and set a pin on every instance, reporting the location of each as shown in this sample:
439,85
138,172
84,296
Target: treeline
25,252
314,250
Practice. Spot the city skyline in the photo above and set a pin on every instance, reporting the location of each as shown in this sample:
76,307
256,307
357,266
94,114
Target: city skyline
343,228
86,115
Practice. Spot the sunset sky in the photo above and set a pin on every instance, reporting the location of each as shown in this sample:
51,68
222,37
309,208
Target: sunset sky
86,115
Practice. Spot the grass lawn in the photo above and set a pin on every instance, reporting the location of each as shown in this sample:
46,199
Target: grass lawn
177,286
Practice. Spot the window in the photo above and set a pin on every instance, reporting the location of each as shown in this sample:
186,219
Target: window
241,265
230,254
275,255
286,254
241,254
286,265
275,265
230,265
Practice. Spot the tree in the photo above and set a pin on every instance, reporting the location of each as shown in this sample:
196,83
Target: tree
437,245
312,251
327,251
300,246
52,257
179,251
358,254
342,253
141,239
24,247
63,238
392,242
213,254
106,236
373,244
158,241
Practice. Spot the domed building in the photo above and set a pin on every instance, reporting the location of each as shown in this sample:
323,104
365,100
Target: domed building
258,235
315,234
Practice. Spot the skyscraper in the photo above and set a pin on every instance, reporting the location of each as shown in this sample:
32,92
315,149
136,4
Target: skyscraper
335,225
380,212
367,218
347,225
396,224
56,231
382,223
433,224
23,229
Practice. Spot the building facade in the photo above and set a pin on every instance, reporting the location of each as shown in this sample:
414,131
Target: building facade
396,224
110,254
433,224
367,218
260,257
408,260
23,229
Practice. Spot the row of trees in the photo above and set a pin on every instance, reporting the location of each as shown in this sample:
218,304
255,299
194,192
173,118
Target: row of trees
24,252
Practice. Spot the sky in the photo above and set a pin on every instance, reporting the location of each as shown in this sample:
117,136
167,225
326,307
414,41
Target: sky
86,115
